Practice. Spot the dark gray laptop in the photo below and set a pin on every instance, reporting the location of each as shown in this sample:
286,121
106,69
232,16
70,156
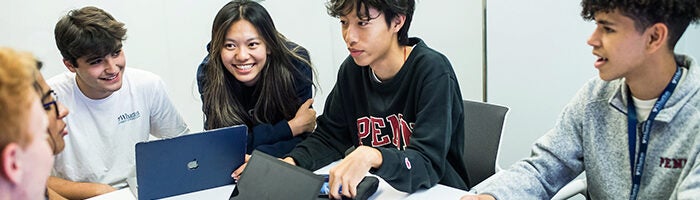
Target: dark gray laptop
188,163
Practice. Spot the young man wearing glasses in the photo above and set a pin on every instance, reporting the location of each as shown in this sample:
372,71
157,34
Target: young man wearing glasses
113,108
25,157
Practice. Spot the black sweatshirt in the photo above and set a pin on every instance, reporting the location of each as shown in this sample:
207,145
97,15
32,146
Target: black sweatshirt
415,120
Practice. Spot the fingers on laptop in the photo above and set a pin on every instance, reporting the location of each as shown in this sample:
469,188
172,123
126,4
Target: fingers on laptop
237,173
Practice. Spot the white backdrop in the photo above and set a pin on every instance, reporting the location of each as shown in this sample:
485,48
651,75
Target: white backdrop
537,60
168,38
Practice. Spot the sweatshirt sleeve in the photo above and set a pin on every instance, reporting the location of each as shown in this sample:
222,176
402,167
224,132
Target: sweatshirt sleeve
557,158
423,162
280,148
265,134
331,138
689,187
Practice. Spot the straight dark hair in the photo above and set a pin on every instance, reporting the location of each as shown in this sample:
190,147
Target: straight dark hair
389,8
277,96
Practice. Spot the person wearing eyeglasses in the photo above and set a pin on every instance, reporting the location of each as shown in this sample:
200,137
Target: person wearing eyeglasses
25,156
55,112
113,108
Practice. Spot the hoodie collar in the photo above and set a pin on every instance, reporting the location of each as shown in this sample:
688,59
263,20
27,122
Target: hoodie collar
689,85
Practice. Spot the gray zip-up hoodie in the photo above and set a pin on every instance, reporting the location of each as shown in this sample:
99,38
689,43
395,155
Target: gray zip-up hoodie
591,135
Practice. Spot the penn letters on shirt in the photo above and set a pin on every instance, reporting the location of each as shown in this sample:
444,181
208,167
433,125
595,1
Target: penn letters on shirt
672,163
390,130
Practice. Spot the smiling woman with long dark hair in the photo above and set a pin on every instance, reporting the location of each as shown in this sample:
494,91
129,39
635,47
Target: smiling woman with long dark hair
255,76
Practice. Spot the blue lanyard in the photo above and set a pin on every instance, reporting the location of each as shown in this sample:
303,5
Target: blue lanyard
646,129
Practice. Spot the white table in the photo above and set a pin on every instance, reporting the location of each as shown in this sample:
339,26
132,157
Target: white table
384,191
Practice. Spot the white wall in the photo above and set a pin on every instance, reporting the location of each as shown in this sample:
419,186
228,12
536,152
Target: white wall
168,38
537,57
537,60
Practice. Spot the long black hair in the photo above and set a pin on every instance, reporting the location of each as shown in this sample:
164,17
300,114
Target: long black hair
275,87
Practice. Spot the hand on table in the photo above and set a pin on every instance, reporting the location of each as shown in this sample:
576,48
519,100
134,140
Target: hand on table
349,172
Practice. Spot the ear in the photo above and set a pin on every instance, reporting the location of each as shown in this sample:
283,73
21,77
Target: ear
397,23
11,167
69,65
657,37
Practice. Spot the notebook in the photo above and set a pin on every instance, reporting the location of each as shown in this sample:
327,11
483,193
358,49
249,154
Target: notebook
188,163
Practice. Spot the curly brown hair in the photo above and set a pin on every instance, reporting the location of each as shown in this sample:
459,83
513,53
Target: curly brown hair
675,14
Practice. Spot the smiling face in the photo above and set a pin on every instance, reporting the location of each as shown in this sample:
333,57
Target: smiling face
244,53
55,111
99,77
368,40
618,46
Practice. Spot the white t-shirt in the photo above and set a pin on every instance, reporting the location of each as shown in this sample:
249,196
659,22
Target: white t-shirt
644,107
102,133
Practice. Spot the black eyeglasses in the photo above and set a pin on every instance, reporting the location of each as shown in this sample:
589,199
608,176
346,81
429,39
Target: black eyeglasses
47,106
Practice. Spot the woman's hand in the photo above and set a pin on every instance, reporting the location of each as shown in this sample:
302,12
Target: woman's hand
237,173
305,119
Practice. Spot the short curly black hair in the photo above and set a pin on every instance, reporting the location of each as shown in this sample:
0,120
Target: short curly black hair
675,14
389,8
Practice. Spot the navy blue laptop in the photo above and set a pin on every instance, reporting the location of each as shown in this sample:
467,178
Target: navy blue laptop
189,163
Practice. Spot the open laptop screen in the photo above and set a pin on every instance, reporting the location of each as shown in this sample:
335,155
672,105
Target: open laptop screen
190,162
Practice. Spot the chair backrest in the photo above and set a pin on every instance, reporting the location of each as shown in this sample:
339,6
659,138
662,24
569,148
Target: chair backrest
483,125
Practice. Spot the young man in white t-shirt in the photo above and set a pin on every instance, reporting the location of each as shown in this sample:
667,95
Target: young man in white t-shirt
112,108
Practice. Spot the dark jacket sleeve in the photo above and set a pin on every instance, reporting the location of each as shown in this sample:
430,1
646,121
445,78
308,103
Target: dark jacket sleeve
201,76
280,148
331,137
303,83
423,163
266,134
277,139
201,81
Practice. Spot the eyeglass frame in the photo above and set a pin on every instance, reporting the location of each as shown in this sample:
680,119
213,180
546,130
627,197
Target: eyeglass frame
54,102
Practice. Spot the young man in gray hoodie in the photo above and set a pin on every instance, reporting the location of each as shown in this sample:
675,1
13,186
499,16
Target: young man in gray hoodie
635,130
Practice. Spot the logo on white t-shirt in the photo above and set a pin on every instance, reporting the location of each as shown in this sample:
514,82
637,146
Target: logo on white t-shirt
128,117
